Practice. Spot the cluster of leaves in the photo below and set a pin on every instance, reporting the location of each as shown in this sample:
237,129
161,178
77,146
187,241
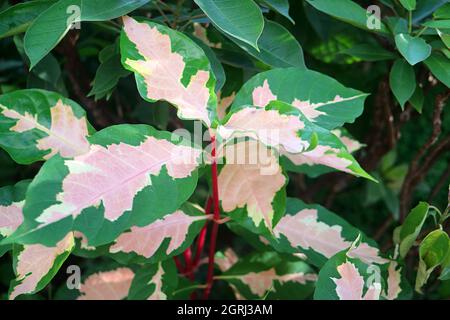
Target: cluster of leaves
123,201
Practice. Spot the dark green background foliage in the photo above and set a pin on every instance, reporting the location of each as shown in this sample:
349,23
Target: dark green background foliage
405,125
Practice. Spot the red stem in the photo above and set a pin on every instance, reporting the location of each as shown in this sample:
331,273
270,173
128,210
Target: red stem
202,236
178,264
215,227
200,244
188,262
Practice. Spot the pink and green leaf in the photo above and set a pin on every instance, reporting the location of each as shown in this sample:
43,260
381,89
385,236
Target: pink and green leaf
269,275
397,286
35,265
169,66
161,239
323,100
37,124
320,234
251,185
131,176
348,140
302,143
107,285
12,200
154,282
345,278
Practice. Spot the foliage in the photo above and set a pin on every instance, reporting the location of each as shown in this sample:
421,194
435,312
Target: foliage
120,119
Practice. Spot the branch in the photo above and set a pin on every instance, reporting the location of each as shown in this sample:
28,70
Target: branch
418,169
440,184
80,82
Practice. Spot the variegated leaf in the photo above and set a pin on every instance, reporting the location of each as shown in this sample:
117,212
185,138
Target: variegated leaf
316,170
349,142
223,104
35,265
320,234
272,127
11,217
12,200
37,124
270,275
107,285
302,143
154,282
320,98
226,259
251,185
132,175
169,66
397,286
162,238
345,278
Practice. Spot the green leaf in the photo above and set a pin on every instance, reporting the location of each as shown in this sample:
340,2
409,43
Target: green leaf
241,19
277,47
107,76
320,234
397,25
37,124
346,278
131,176
178,71
256,241
443,12
53,24
380,191
412,226
154,282
414,50
347,11
417,99
216,66
445,37
445,273
47,75
432,252
440,67
16,19
438,24
427,8
409,5
328,108
280,6
369,52
434,247
269,275
402,80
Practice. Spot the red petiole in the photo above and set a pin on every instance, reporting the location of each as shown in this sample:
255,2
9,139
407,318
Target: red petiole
191,263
